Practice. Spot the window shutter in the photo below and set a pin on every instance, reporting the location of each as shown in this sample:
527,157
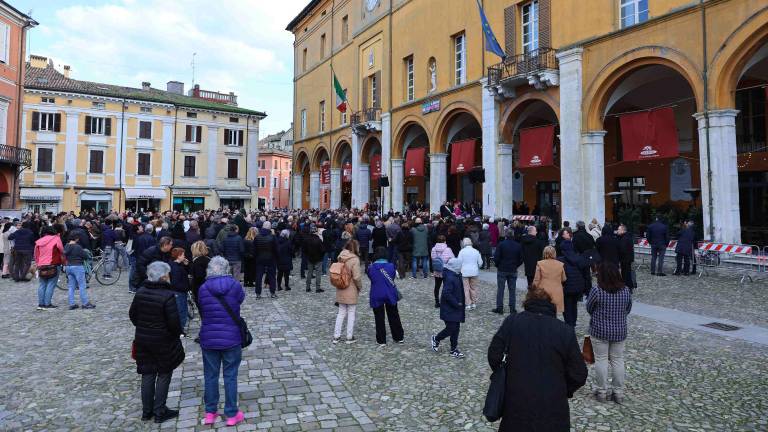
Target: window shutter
226,137
240,135
87,125
188,135
57,122
365,93
510,14
545,7
108,126
199,137
35,120
378,89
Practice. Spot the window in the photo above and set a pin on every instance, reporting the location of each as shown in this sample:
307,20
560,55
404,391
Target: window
98,126
345,29
189,166
460,57
286,183
96,164
234,120
99,105
5,42
631,188
530,22
409,78
44,159
750,123
147,110
303,123
46,122
262,164
322,116
274,182
48,100
145,130
143,164
232,168
304,60
322,45
633,12
233,137
374,91
274,165
194,134
262,182
191,115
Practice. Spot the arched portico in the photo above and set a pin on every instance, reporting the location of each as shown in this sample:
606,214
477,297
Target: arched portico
341,175
320,184
301,179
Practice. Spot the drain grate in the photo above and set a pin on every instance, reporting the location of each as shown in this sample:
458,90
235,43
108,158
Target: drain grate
721,326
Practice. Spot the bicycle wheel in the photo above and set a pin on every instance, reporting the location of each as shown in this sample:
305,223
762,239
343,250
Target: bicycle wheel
191,308
102,278
62,283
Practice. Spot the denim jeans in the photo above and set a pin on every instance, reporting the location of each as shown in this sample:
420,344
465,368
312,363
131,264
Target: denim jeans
45,289
181,305
313,270
212,362
424,262
451,331
609,353
657,255
131,269
109,260
121,255
392,252
506,280
328,256
76,280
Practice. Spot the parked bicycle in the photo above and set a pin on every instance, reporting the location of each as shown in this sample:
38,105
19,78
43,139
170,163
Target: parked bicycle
98,269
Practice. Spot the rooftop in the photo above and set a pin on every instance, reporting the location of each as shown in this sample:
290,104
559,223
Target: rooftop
304,12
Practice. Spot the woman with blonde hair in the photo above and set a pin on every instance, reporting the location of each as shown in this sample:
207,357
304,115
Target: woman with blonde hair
347,297
199,268
550,275
249,264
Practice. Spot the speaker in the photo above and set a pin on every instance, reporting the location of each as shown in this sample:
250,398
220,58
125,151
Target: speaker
477,175
383,182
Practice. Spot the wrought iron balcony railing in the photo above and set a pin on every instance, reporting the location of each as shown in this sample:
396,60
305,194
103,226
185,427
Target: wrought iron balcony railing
365,116
15,155
523,64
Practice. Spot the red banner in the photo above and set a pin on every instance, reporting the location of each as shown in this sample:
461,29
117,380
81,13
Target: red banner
346,171
649,135
536,145
325,173
462,156
375,166
414,162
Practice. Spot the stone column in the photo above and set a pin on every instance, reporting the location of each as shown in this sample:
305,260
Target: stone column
593,177
438,181
335,188
396,183
386,155
355,170
570,134
505,200
314,189
364,185
723,186
490,123
296,191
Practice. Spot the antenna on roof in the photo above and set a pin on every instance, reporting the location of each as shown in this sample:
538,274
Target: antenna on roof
193,69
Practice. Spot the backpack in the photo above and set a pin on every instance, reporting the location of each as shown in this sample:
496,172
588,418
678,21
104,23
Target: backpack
339,275
437,265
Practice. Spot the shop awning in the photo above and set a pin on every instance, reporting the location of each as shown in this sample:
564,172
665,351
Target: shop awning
41,194
462,156
536,146
414,162
95,196
234,194
138,193
649,135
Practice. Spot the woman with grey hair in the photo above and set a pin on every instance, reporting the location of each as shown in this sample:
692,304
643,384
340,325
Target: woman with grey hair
470,269
220,339
158,350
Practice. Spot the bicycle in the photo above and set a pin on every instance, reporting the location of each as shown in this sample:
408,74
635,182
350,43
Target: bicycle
98,268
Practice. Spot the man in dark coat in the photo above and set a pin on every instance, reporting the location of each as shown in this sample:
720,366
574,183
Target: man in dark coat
658,237
24,245
684,249
582,239
608,245
313,250
363,237
508,257
626,255
578,281
161,252
265,253
445,210
533,251
158,350
544,367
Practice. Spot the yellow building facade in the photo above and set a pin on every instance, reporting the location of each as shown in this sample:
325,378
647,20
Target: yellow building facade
419,80
104,147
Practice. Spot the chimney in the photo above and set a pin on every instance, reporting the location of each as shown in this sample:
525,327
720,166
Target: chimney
175,87
67,70
37,61
145,85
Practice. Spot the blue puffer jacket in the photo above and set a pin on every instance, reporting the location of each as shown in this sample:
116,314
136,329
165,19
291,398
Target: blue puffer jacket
382,291
578,279
363,235
218,330
24,240
452,297
233,248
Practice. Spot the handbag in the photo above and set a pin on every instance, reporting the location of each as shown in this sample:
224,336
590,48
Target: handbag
46,271
391,282
246,338
587,352
494,398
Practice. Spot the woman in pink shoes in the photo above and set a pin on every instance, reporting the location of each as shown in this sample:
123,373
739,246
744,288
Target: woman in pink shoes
220,298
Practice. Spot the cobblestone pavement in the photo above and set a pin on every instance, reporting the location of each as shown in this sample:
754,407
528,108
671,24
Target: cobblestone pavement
71,370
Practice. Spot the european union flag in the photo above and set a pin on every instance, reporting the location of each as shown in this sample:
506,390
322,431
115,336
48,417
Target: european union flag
491,44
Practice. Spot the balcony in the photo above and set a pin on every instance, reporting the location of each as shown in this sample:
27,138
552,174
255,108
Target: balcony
366,120
15,156
538,68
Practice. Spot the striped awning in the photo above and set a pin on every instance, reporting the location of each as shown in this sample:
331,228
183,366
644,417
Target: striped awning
41,194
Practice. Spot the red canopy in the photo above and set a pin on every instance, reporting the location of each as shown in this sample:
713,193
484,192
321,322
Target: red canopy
649,135
536,146
325,173
414,162
346,171
375,166
462,156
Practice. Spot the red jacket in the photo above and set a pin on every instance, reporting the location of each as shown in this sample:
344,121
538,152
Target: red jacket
49,250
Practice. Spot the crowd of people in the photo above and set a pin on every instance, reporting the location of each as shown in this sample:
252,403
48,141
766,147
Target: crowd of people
215,256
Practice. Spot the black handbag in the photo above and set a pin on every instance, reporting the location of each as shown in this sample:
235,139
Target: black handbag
246,338
493,409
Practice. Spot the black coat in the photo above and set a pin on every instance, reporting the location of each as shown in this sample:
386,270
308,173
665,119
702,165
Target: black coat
154,313
265,248
583,241
657,235
312,247
626,248
578,278
149,256
404,241
544,368
508,256
379,236
284,254
199,271
608,246
179,277
533,251
685,240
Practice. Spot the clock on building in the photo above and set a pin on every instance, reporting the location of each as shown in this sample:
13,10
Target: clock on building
371,4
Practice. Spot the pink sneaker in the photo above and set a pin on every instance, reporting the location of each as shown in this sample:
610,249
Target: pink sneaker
210,418
238,418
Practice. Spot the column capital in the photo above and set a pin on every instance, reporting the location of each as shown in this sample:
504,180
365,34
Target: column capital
364,165
396,162
505,149
717,118
314,173
593,137
335,171
438,157
385,115
571,55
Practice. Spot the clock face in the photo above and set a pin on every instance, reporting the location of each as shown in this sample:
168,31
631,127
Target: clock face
371,4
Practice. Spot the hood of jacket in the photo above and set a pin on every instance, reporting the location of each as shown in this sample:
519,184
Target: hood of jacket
527,239
346,255
540,307
47,240
440,247
219,285
420,228
157,285
454,265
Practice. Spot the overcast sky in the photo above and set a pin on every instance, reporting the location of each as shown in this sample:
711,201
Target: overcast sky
241,45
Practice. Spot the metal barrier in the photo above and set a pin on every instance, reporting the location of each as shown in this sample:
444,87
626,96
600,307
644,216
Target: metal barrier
745,261
643,248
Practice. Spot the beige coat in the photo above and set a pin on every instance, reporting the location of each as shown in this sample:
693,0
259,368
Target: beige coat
352,292
550,275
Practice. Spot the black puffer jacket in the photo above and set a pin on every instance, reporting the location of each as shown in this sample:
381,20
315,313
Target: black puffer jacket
544,369
312,247
578,280
149,256
608,246
264,248
154,313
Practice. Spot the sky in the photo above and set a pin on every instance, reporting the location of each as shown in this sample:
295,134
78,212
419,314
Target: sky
241,45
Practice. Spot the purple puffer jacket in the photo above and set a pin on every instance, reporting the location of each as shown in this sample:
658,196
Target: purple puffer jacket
219,331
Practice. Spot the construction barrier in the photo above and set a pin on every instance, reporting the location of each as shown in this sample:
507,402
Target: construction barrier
744,261
643,248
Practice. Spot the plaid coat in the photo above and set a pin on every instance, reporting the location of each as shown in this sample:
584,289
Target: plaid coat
608,313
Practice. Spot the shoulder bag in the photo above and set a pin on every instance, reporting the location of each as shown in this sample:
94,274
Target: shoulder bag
587,352
391,282
245,335
494,399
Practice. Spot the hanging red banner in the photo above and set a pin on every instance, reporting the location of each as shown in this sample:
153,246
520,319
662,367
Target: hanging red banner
462,156
346,172
536,146
649,135
375,166
325,173
414,162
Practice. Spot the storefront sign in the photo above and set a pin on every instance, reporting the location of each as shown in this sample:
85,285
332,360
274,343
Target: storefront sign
430,106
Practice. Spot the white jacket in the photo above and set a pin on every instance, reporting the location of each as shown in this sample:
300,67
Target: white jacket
470,261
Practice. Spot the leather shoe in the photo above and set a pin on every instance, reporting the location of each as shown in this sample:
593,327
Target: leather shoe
147,417
497,311
167,415
661,274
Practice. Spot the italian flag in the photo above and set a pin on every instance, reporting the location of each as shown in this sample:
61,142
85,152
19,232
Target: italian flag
341,96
